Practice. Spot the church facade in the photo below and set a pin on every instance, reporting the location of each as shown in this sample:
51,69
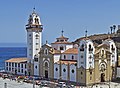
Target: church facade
85,62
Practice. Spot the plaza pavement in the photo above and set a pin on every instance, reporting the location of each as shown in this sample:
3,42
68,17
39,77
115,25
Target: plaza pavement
104,85
15,84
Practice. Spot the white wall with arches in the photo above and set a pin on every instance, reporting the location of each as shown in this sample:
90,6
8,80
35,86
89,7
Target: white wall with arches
69,56
73,72
64,71
56,71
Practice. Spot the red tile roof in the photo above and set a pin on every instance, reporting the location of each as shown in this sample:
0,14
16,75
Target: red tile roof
67,62
17,60
71,51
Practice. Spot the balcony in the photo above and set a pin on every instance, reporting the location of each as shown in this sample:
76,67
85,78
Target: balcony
34,26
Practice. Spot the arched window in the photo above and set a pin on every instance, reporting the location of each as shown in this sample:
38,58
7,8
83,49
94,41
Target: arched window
36,35
46,51
112,48
30,19
90,73
36,21
72,57
36,58
61,48
81,73
90,47
82,47
46,64
102,67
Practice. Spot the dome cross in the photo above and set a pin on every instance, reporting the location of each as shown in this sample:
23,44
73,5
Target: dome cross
62,32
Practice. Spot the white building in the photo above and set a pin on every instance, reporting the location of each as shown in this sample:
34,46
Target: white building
88,63
85,62
34,41
16,66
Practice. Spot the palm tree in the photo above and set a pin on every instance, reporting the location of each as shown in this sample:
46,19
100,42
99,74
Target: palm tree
111,29
114,27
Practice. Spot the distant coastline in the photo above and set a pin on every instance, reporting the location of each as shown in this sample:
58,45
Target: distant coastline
13,45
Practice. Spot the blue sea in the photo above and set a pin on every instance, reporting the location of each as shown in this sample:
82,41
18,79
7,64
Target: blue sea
11,52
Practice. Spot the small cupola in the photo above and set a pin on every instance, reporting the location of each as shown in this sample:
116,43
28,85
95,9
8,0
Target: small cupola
62,38
34,18
34,23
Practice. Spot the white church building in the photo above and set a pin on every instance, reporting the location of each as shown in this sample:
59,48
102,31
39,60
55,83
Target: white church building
85,62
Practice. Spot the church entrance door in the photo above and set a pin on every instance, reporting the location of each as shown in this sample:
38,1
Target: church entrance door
46,73
102,77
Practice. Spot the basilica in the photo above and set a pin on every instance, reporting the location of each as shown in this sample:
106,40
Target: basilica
84,62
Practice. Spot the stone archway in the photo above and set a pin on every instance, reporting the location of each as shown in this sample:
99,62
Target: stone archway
46,69
102,77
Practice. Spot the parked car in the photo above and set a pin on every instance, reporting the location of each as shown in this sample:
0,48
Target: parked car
37,82
37,78
64,85
26,80
61,84
1,74
43,83
4,76
70,86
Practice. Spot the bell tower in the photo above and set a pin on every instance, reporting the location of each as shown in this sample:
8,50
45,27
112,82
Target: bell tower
34,40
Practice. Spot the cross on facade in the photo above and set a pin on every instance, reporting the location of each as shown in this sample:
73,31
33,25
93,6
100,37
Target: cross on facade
34,9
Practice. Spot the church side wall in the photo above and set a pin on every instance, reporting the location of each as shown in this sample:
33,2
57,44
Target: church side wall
72,72
64,71
56,71
118,72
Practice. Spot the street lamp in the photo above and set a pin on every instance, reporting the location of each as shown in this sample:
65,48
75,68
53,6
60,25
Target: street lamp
5,85
33,82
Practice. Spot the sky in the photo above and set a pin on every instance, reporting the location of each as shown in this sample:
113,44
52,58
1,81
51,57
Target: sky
72,16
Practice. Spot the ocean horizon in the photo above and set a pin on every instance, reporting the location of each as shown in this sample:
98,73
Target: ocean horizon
11,51
13,44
